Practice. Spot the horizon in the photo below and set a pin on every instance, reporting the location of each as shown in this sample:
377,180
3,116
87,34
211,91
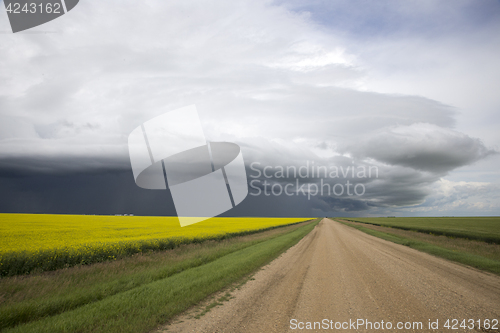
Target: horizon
408,89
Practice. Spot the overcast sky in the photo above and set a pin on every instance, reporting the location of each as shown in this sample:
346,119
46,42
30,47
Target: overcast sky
410,88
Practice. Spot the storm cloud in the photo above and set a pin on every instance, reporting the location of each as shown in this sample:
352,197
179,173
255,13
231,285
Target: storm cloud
276,78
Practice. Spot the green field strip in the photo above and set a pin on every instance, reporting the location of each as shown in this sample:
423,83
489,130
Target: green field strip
469,259
485,229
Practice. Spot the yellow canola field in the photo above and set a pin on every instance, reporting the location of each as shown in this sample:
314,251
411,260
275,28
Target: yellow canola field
35,232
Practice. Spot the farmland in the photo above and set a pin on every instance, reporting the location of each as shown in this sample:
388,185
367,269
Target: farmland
32,242
485,229
149,286
473,241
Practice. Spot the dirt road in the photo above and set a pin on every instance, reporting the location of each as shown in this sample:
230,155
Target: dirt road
338,275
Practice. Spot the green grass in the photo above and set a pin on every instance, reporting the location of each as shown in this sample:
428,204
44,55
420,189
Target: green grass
144,297
463,256
486,229
219,301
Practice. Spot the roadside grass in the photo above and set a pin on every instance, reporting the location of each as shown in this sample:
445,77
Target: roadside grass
452,249
483,249
485,229
220,301
134,295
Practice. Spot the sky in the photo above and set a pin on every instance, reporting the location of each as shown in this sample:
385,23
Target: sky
408,90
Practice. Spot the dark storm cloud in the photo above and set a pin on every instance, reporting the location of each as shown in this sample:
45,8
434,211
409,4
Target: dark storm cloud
381,185
103,192
421,146
109,192
21,166
266,78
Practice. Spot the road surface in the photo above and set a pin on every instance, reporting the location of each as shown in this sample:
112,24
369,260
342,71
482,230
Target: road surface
337,276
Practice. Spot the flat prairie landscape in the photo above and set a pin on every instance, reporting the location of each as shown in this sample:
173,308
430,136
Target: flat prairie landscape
123,273
473,241
484,228
254,275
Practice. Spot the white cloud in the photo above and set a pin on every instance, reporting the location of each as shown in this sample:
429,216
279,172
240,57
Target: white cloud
268,78
469,198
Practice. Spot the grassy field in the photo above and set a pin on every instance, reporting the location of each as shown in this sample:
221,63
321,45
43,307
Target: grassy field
470,241
37,242
150,287
486,229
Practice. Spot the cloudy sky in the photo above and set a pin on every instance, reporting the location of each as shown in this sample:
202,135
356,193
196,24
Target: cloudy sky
409,88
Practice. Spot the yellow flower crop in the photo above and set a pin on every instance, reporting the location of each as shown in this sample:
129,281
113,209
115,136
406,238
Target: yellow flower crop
45,242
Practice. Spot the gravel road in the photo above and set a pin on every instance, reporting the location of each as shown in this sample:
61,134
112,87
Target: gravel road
338,275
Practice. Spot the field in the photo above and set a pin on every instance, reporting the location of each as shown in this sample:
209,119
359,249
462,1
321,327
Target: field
485,229
473,241
134,274
150,287
32,242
